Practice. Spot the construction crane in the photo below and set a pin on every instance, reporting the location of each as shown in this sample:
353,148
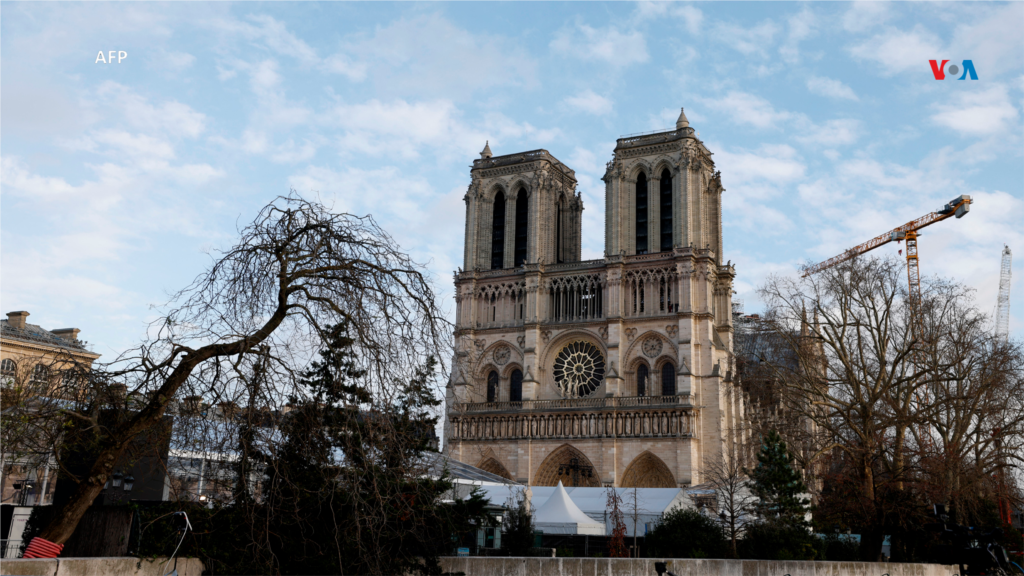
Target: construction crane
1003,305
960,206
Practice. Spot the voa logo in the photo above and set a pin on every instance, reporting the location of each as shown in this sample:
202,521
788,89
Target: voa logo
940,70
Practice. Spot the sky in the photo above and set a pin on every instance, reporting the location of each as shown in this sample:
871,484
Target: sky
119,179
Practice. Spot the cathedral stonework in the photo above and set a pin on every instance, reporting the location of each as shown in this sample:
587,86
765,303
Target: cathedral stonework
613,372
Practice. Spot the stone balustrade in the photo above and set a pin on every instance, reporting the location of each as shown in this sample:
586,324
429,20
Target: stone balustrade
638,422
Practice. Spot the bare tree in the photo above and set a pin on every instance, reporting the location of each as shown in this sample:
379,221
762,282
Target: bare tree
296,271
908,394
734,500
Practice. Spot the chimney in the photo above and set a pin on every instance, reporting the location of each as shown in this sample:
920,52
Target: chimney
69,334
17,319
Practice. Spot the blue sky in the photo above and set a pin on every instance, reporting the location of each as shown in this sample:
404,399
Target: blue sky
825,120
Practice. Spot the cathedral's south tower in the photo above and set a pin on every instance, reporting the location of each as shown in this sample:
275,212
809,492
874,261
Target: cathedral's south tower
605,372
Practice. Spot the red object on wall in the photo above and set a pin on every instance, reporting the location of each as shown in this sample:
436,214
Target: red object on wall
40,548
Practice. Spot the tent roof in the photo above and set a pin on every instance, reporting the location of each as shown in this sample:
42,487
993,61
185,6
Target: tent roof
560,508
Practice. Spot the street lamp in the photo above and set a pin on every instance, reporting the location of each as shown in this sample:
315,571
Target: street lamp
117,478
129,483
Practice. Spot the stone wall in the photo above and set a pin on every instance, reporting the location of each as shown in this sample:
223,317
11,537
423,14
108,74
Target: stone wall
480,566
92,566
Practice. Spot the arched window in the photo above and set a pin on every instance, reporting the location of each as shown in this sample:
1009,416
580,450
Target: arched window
40,374
498,233
668,379
492,386
8,371
641,380
521,221
641,213
666,210
515,389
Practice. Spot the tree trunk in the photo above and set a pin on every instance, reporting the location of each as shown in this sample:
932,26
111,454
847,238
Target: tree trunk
64,522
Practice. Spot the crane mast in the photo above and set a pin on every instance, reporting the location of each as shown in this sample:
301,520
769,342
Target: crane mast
1003,306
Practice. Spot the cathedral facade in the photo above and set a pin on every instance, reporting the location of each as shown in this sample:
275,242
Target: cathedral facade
609,372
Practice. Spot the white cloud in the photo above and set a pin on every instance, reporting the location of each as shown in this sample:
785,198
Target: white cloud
177,61
601,44
801,27
691,16
408,129
754,40
977,112
171,116
896,51
865,15
428,54
591,103
832,133
745,108
830,87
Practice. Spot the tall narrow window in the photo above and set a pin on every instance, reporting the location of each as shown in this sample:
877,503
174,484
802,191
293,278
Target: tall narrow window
641,380
492,387
515,389
498,233
641,214
558,230
666,211
521,221
668,380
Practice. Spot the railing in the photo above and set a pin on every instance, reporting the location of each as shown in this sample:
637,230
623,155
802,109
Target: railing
10,548
531,156
651,138
681,400
671,422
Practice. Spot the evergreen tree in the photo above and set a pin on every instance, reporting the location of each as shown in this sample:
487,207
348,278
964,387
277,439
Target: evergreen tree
517,533
779,487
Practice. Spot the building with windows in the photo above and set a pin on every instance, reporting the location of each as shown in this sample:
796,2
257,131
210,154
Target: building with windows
33,361
614,371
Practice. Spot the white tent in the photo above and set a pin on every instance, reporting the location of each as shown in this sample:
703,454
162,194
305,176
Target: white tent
651,503
560,515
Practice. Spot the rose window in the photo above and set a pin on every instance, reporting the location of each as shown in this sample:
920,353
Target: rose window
579,369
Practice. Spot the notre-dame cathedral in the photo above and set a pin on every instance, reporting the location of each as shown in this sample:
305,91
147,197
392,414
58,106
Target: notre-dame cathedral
609,372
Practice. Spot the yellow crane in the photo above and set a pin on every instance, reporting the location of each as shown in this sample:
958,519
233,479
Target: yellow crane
960,206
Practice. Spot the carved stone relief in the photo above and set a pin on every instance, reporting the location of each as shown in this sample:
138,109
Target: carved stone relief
502,355
652,346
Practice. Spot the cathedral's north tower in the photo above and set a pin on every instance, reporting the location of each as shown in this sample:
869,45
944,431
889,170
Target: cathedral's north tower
619,367
521,209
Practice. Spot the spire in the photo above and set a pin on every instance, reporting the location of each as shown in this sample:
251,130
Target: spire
803,321
682,122
486,152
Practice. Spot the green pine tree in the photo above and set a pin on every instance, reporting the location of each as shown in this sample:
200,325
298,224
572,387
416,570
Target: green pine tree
777,484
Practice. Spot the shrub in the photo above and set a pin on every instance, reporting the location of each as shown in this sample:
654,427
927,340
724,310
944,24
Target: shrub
686,533
767,540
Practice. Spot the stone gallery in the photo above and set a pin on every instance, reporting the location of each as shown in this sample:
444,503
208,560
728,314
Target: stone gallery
609,372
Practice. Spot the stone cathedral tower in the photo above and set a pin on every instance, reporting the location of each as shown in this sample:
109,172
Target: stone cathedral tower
612,372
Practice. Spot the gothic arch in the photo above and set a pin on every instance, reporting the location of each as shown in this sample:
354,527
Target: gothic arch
638,166
520,183
663,163
506,371
547,473
648,471
495,467
494,189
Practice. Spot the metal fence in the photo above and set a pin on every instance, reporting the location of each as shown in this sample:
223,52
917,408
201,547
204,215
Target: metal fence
10,548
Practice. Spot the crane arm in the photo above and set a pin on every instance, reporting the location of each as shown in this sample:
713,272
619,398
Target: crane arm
958,207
